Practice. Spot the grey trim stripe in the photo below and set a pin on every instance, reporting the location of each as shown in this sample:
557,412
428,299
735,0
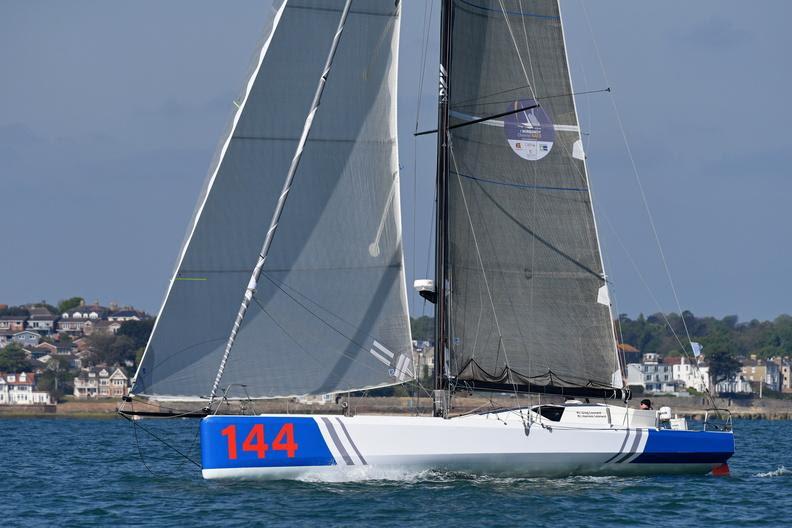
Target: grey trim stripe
337,442
633,447
624,442
357,451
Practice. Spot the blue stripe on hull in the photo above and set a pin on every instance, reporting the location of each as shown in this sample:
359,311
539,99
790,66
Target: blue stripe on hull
686,447
218,452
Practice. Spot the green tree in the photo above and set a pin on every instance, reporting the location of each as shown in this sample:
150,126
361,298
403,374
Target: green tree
137,331
111,350
57,378
721,354
68,304
13,359
422,328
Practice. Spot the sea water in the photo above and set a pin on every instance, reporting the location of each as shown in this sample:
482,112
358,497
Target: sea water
75,472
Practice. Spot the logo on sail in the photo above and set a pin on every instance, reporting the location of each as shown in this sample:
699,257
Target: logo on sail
530,133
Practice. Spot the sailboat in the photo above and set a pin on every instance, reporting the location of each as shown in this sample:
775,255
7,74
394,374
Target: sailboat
291,281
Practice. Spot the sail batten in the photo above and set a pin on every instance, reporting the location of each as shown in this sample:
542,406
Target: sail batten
333,283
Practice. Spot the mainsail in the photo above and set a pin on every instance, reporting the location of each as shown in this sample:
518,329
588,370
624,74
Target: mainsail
330,310
527,297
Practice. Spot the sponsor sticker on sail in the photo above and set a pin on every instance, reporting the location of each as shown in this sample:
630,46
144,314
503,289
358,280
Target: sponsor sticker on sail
530,133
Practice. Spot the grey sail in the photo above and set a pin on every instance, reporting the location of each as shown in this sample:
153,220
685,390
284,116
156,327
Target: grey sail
528,302
329,313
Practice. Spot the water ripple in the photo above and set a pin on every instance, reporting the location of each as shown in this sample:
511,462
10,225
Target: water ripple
88,473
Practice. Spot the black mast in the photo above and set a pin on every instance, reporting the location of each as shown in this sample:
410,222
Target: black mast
441,250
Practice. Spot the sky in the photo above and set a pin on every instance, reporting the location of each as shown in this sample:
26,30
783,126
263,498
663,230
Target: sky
110,113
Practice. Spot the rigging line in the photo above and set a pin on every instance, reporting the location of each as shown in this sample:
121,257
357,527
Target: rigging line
478,252
316,304
326,323
535,171
428,10
296,342
479,120
429,7
287,184
657,304
525,186
637,176
475,103
166,444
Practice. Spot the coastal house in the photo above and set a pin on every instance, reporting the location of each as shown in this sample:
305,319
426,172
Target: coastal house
5,337
20,389
693,376
736,385
101,327
630,353
786,374
762,371
41,320
12,323
101,382
73,321
27,338
127,314
651,374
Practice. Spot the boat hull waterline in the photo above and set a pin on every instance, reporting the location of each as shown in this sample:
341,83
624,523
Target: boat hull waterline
333,447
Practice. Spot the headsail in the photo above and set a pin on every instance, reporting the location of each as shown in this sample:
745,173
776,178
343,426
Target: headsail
330,310
524,267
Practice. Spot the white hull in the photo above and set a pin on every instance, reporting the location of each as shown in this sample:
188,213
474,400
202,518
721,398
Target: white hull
495,444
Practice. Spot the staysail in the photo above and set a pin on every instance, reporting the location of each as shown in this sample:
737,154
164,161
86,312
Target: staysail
527,297
330,312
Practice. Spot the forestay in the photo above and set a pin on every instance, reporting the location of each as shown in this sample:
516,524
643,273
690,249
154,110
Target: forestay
330,313
528,300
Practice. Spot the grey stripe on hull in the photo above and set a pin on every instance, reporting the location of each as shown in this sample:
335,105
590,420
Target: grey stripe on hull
621,449
357,451
633,447
337,442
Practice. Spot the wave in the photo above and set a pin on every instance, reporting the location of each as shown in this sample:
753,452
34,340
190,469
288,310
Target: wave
780,472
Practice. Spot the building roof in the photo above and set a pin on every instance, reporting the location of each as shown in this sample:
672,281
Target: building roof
87,308
30,378
96,371
672,360
128,313
13,317
41,313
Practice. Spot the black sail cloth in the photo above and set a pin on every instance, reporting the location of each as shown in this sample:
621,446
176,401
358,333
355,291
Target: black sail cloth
528,302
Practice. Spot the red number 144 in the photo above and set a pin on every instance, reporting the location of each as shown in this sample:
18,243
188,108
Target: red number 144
254,441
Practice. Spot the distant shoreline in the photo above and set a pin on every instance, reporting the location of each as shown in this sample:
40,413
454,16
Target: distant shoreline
766,409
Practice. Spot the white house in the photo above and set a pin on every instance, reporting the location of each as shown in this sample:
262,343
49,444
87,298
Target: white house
738,385
693,376
101,382
652,375
41,320
19,389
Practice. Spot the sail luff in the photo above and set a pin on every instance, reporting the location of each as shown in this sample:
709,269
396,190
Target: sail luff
278,7
620,362
287,184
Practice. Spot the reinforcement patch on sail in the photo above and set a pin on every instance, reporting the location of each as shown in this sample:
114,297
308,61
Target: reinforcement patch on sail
334,279
524,263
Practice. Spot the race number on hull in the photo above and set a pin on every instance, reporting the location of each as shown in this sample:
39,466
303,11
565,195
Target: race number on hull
262,441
